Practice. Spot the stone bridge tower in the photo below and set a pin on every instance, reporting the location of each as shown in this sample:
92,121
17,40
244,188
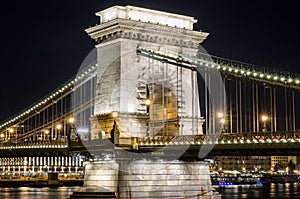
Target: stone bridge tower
127,81
138,96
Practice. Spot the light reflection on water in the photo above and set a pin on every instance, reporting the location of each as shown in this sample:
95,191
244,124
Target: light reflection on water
37,193
285,190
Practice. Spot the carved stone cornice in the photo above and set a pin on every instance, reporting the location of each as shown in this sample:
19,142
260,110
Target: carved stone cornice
147,32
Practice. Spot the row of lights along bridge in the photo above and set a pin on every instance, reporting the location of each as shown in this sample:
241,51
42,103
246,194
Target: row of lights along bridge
45,135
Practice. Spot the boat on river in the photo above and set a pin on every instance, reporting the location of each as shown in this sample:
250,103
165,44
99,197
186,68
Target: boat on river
226,178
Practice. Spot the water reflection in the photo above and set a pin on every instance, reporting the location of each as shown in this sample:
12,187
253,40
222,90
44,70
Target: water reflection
286,190
37,193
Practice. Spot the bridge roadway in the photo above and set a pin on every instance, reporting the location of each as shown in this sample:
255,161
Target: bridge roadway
189,146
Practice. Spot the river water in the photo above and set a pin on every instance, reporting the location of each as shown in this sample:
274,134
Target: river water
36,193
286,190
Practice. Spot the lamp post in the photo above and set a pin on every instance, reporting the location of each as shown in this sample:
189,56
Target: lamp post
46,134
264,119
114,134
148,102
10,131
71,122
220,115
70,135
2,136
58,128
222,120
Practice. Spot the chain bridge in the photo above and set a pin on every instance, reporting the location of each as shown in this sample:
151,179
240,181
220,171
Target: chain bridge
245,109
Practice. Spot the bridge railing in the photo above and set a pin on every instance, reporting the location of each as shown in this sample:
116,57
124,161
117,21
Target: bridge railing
36,144
234,138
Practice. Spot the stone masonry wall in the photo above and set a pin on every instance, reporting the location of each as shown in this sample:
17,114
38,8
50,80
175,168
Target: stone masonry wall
170,179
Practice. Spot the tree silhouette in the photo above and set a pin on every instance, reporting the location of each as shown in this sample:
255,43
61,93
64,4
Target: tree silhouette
291,166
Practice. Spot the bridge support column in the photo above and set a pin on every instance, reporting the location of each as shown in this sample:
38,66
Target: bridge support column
164,179
150,179
101,174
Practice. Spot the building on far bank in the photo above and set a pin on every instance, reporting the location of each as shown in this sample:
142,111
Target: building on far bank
283,161
251,163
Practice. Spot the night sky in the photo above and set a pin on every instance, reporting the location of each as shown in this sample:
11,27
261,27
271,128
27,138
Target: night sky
43,42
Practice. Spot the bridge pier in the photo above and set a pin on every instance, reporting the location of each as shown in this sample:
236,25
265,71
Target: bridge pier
150,179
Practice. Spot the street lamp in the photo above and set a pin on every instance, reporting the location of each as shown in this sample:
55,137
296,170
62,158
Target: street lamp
115,114
2,136
46,133
264,119
114,133
10,131
71,120
222,121
58,128
221,117
71,134
148,102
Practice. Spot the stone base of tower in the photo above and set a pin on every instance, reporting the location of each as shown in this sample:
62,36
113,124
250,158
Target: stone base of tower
150,179
103,174
165,179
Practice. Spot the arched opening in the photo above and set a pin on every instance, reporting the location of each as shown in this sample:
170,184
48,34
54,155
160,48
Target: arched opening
163,116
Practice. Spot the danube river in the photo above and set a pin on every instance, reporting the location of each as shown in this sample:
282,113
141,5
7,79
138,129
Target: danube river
36,193
286,190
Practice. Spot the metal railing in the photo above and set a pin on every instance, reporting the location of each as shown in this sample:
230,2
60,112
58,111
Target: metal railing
36,144
234,138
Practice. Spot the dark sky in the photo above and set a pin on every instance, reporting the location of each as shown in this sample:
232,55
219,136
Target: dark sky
43,42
